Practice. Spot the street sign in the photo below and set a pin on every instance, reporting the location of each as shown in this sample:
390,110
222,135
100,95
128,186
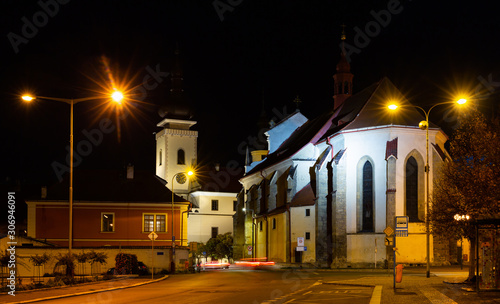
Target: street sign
388,241
300,248
388,231
152,236
402,233
401,222
300,241
250,248
401,226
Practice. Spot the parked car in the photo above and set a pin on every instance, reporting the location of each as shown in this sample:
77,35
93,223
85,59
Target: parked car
141,269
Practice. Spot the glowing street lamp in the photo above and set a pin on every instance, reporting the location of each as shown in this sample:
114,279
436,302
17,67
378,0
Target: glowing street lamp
181,178
424,125
116,96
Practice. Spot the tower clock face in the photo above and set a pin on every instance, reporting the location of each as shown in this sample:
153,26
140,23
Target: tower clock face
180,178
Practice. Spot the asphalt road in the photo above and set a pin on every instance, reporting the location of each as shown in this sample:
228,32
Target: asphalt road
237,286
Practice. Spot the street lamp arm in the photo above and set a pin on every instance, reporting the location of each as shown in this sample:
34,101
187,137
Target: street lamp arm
69,100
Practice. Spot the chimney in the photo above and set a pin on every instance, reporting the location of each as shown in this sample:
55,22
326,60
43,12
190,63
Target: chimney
44,192
130,171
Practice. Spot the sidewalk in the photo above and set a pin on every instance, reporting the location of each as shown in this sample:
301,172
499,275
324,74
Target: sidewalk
445,285
35,295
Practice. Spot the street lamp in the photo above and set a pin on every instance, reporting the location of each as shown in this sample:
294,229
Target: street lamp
253,228
424,125
116,96
181,179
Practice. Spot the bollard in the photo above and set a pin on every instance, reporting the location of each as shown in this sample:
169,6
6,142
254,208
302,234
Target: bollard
399,273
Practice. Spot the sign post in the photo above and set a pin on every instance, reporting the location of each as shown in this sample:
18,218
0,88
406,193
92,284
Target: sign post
153,237
401,226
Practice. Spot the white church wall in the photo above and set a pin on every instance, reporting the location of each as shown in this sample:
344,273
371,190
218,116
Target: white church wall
371,144
366,249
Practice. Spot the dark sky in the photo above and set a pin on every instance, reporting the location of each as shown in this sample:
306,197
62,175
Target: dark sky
248,57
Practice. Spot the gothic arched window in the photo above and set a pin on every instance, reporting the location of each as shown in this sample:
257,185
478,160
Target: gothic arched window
160,158
367,207
412,189
180,157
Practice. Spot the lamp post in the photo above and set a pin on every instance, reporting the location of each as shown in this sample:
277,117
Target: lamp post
424,125
181,179
253,229
117,97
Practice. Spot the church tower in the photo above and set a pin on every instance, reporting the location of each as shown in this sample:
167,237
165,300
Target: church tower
176,143
343,77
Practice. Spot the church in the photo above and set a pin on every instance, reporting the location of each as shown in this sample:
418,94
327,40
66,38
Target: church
326,189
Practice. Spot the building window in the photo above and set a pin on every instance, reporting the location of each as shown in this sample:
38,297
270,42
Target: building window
308,235
215,205
367,206
412,189
260,226
181,157
235,205
160,158
155,222
274,223
308,212
107,222
215,232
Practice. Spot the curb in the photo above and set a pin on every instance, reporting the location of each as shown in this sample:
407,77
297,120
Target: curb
90,292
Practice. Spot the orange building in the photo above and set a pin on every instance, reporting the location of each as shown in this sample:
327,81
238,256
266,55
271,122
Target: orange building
112,209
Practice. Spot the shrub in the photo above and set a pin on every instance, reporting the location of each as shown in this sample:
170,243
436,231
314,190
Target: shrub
125,263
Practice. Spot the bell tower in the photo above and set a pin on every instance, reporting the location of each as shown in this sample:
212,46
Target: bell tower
343,78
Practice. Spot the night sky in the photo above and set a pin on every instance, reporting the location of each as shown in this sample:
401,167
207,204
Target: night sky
238,59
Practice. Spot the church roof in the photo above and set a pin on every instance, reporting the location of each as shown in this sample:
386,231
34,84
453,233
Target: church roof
113,186
373,109
308,132
304,197
366,109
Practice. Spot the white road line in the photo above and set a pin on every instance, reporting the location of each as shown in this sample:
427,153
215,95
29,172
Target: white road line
376,295
435,296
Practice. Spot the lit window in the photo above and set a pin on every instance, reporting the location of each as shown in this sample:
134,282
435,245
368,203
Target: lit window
107,222
155,222
215,205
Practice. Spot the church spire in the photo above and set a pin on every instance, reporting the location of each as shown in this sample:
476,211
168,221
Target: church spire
343,77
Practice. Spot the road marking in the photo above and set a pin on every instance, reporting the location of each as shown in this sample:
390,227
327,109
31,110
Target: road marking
307,292
376,295
436,297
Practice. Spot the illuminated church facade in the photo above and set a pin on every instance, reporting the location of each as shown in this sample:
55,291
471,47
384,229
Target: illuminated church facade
328,187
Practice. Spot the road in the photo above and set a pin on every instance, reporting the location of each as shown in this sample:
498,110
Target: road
237,286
